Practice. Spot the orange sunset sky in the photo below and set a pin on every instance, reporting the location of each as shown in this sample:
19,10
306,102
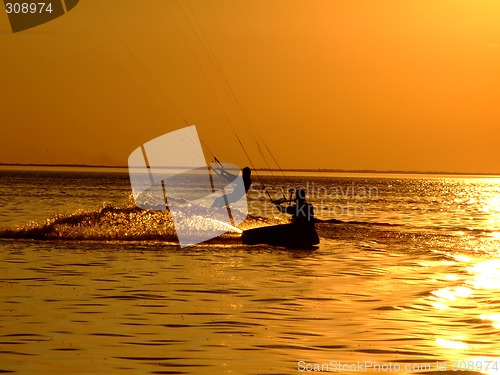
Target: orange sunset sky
347,84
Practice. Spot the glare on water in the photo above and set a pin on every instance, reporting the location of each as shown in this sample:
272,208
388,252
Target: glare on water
107,290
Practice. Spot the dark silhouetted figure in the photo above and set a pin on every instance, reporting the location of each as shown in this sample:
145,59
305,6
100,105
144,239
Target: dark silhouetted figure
246,174
237,192
302,218
302,212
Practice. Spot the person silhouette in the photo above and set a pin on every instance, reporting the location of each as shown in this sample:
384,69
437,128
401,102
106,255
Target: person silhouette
299,234
302,217
237,192
246,174
302,212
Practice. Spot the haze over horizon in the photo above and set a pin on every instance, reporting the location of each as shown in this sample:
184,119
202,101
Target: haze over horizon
265,169
369,85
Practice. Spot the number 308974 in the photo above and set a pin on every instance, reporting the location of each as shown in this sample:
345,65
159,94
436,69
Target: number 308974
25,8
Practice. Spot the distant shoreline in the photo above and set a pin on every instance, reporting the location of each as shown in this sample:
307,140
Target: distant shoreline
317,170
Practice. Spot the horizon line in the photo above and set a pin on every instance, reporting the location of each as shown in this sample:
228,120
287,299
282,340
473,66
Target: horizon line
329,170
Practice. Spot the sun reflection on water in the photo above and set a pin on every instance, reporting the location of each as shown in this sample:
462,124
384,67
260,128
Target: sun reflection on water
469,287
451,344
486,274
492,209
493,318
453,294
